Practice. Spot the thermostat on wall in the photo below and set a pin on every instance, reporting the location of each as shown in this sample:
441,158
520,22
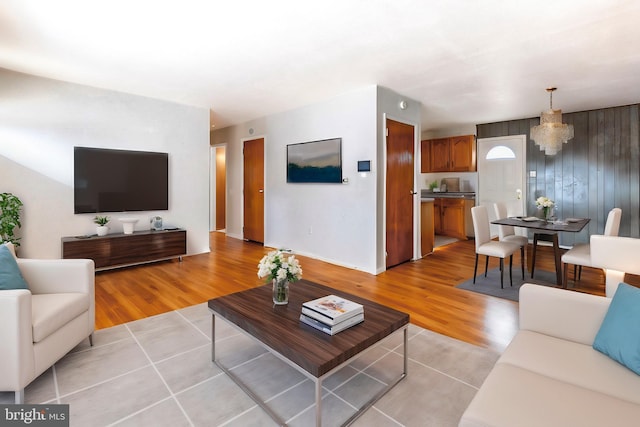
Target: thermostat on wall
364,165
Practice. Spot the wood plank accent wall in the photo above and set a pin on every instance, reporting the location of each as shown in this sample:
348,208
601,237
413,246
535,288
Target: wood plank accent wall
599,169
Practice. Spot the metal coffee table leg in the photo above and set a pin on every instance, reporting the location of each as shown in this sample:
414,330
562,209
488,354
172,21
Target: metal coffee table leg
317,380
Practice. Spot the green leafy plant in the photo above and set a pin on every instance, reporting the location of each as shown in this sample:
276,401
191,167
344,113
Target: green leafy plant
433,185
101,220
10,206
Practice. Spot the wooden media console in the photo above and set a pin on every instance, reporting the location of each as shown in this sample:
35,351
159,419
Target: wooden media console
119,249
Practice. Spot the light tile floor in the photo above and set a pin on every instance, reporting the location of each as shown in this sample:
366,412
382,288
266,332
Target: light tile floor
158,372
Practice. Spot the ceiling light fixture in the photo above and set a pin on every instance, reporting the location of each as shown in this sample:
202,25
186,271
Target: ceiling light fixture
551,133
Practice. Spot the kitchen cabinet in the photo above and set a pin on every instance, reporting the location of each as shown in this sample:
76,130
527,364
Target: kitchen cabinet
452,217
438,155
427,235
453,154
437,216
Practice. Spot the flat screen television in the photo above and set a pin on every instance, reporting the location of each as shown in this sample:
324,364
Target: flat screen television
119,180
315,161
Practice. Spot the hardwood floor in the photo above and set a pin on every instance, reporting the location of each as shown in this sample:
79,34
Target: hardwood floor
424,288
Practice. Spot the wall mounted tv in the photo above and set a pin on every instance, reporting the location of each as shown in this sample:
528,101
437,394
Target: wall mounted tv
119,180
315,161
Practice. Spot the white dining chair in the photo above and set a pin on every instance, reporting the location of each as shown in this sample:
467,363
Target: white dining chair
507,233
617,256
580,254
487,247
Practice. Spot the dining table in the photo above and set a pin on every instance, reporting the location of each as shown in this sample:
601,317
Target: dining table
546,230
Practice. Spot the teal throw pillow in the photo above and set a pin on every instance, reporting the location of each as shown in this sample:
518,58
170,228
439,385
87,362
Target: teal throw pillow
10,276
619,334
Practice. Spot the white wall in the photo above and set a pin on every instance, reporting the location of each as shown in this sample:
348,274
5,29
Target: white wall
451,131
335,222
338,223
41,120
341,217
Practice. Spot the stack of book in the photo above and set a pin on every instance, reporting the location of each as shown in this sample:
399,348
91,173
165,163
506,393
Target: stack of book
331,314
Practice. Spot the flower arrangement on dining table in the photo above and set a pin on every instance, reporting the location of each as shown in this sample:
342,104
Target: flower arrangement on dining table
281,268
546,204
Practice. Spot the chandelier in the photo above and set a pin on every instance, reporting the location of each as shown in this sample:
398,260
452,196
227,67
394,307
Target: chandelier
551,133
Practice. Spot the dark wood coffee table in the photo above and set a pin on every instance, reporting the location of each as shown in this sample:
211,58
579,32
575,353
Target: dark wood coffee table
314,353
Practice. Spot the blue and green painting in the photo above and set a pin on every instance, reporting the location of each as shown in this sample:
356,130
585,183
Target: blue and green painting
317,161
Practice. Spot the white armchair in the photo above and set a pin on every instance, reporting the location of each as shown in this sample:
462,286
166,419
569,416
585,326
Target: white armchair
41,324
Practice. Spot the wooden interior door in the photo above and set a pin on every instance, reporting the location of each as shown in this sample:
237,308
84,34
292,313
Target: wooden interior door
221,188
254,190
400,192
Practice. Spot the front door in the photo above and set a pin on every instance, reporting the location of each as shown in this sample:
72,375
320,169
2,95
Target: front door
254,190
400,192
501,175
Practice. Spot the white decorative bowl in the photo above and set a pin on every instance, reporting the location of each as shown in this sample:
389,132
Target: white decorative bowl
128,224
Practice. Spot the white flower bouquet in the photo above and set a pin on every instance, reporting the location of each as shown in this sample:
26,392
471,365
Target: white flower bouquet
276,265
544,202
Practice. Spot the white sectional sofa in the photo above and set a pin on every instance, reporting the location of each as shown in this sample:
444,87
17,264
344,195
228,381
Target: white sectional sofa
550,375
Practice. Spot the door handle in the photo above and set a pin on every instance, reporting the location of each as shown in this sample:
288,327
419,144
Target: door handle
261,191
413,193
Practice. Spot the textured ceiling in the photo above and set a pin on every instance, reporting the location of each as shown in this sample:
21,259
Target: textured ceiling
467,62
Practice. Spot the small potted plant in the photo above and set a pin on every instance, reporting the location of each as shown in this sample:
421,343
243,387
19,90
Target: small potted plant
10,206
102,222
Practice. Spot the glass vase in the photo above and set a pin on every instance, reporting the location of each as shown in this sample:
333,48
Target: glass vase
280,292
547,213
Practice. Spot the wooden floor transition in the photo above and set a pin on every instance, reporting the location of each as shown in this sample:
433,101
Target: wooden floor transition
424,288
